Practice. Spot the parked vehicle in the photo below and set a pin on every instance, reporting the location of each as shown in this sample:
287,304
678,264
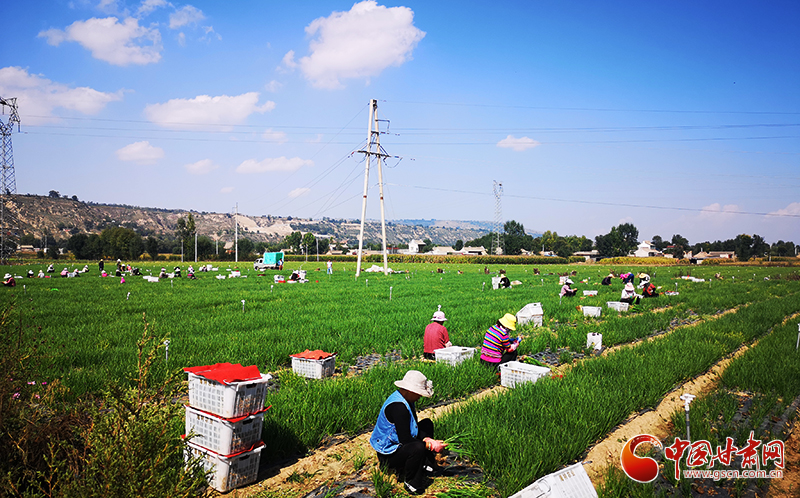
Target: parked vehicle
270,261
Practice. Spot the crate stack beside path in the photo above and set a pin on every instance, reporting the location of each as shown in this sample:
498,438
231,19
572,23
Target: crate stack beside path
224,420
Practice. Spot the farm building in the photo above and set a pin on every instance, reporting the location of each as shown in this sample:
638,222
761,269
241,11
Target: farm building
646,249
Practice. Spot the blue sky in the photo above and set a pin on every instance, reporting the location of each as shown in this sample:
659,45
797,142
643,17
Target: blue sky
679,117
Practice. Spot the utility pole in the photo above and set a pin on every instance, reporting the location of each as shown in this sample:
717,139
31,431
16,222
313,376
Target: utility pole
497,187
373,149
236,236
8,183
195,246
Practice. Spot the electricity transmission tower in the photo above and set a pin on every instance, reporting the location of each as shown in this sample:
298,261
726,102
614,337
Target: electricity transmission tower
497,241
8,183
373,150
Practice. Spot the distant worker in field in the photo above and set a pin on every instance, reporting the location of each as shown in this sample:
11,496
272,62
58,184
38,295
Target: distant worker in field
163,273
626,277
64,272
280,264
41,273
9,281
566,290
629,294
50,269
436,335
644,279
330,267
178,271
30,274
403,443
498,347
649,290
190,273
607,279
100,265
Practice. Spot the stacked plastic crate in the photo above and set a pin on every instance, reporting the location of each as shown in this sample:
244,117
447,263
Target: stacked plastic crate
224,419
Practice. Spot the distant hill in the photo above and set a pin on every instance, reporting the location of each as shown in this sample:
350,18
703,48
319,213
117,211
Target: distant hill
63,217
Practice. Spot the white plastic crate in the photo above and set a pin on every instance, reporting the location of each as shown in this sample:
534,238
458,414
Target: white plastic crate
594,340
223,436
617,305
496,282
314,369
227,472
227,400
571,482
531,312
591,310
453,355
590,293
515,372
278,279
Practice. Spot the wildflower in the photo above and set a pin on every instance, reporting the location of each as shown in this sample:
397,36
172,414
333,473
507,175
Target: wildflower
44,383
32,383
36,396
15,396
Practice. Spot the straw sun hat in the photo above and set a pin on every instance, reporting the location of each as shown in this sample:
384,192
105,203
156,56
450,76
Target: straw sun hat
509,321
438,317
416,382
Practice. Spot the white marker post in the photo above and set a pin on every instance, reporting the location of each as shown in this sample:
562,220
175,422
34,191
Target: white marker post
798,337
270,287
483,286
166,351
366,280
390,293
242,305
687,399
128,296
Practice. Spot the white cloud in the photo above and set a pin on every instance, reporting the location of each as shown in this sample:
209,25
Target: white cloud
185,15
517,144
149,6
226,190
112,7
273,164
718,213
182,39
202,167
111,41
315,140
298,192
275,136
37,96
205,110
141,153
273,86
360,43
792,209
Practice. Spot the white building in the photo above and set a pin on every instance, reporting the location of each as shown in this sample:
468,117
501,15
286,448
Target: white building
414,245
646,249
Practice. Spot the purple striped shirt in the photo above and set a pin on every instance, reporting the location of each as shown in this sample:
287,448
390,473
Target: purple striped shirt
495,343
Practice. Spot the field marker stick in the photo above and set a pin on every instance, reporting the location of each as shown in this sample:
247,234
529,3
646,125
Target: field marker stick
25,289
166,351
483,286
242,305
270,287
367,281
798,337
128,296
390,293
687,399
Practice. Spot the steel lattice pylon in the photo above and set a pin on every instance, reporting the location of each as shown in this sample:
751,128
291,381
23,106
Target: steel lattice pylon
8,184
497,240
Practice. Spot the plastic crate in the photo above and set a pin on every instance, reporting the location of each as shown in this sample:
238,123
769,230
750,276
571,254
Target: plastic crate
590,293
314,369
453,355
531,312
593,311
227,471
571,482
594,340
227,400
496,282
221,435
617,305
515,372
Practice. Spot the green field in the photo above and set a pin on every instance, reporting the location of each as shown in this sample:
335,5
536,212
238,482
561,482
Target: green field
89,327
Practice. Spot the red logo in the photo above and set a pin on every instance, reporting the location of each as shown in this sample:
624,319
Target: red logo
640,469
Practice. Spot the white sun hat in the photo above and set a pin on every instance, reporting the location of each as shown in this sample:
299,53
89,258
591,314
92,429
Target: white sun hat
416,382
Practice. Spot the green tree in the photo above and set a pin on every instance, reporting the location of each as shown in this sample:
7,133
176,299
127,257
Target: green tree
658,242
293,241
121,243
77,244
743,247
246,247
205,247
620,241
513,237
185,233
152,247
459,245
309,243
679,246
54,194
27,240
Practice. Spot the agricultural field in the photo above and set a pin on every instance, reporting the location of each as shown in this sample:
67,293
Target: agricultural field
89,327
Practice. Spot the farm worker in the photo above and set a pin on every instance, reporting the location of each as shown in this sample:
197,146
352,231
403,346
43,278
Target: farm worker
9,281
178,271
50,269
403,443
41,273
498,347
626,277
100,266
644,279
436,336
30,273
64,272
163,273
649,290
607,279
280,264
566,290
629,294
85,269
330,267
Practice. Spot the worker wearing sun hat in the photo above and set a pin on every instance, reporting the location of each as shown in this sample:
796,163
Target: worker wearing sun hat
436,335
403,443
629,294
566,290
644,279
498,347
9,281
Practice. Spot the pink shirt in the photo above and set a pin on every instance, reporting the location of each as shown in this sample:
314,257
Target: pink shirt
436,337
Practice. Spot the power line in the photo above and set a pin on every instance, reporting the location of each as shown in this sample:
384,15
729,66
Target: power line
601,203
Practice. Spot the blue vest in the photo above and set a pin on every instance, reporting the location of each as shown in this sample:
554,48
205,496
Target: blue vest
384,436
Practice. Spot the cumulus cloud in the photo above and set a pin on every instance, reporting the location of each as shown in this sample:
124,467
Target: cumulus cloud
718,213
792,209
275,136
206,110
120,44
185,15
149,6
38,96
517,144
226,190
298,192
202,167
273,164
359,43
140,153
273,86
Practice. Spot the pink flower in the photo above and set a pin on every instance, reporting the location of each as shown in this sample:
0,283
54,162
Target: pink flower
15,396
44,383
32,383
36,396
